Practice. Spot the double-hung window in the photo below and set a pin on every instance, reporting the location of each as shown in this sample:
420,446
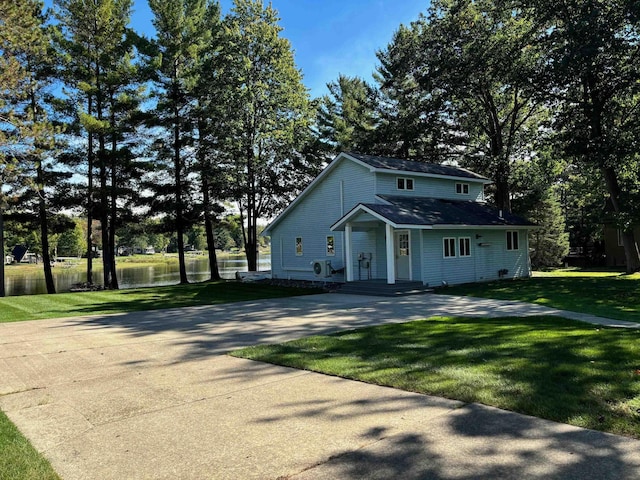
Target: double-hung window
403,183
464,246
462,188
449,247
512,240
299,246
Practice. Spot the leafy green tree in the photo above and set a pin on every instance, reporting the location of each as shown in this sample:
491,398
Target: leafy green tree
267,140
72,242
481,56
593,48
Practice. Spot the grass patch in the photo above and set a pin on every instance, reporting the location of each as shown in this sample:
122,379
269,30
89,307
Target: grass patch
33,307
18,459
544,366
606,294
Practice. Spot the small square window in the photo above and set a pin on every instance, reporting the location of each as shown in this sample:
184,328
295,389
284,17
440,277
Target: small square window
449,247
512,240
298,246
464,246
331,247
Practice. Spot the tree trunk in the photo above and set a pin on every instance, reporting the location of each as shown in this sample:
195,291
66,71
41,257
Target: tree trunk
631,253
208,227
104,217
177,165
89,199
114,206
44,230
2,288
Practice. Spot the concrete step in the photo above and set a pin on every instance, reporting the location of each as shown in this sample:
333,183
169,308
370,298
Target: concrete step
381,288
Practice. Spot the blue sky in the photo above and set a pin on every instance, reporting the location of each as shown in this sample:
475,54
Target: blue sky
329,37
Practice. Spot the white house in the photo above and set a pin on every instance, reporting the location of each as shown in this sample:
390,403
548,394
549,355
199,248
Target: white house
367,217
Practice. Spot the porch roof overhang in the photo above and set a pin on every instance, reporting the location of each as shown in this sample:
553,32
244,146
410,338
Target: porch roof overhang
431,213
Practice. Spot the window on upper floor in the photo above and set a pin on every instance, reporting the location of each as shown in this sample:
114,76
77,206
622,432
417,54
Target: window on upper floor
512,240
462,188
403,183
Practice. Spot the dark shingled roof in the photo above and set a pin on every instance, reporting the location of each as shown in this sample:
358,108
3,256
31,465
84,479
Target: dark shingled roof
433,211
417,167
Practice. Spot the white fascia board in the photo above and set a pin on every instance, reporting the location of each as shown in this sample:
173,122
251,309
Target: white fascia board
363,208
484,181
485,227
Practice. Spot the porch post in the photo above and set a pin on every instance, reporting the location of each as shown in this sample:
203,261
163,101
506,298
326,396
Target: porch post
391,255
348,262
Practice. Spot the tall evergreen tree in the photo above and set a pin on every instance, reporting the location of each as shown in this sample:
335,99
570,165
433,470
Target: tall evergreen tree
347,118
94,42
209,111
27,114
182,35
20,34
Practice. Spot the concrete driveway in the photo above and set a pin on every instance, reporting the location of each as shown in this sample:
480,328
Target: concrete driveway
151,395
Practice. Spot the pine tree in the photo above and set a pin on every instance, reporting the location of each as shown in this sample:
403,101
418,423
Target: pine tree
550,242
183,33
33,133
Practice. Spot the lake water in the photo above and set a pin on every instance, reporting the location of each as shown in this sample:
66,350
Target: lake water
130,277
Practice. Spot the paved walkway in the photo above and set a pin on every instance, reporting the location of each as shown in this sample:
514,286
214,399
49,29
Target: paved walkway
151,395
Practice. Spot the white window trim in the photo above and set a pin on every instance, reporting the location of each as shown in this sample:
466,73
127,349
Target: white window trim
405,181
455,247
513,234
295,246
331,254
468,254
463,187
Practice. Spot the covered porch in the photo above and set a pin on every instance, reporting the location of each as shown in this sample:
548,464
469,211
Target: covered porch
378,250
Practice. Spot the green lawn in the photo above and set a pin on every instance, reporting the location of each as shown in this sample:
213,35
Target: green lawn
18,459
547,367
32,307
606,294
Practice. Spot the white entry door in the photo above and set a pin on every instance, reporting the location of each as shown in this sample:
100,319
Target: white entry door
403,255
